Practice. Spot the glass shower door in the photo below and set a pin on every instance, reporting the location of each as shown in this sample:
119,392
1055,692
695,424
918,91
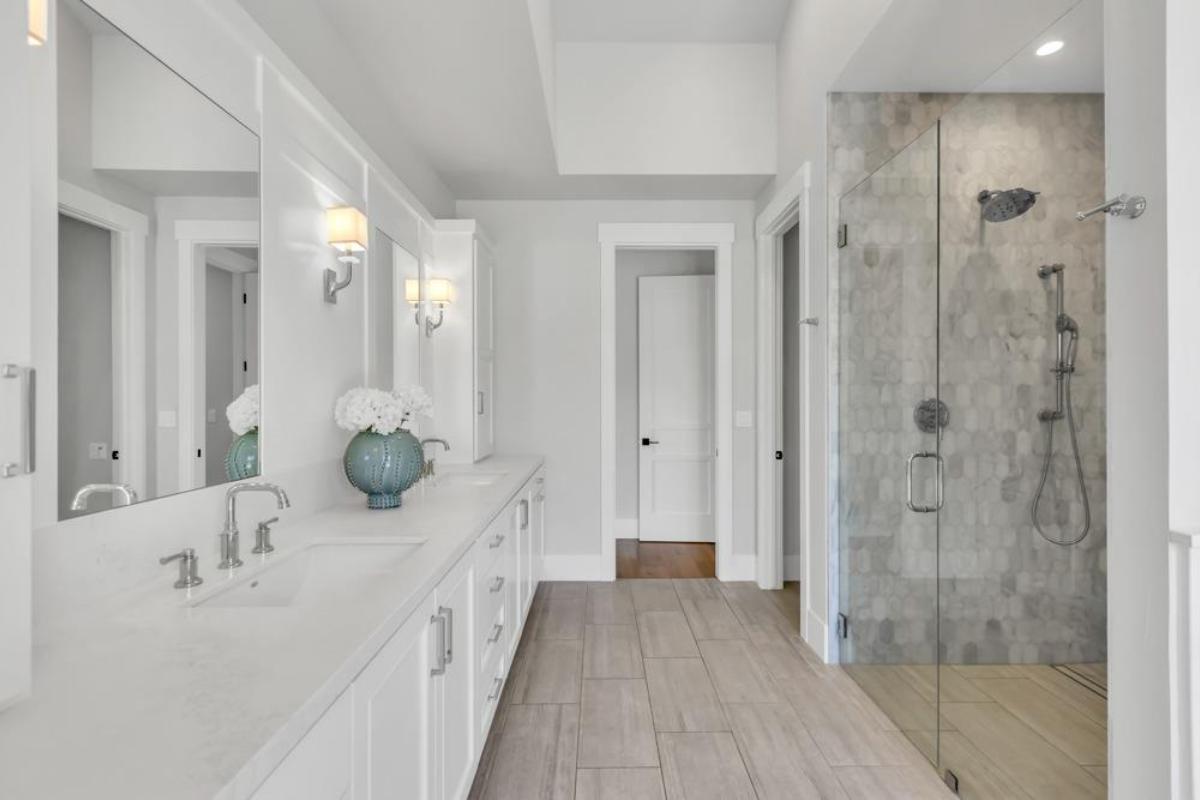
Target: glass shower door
888,443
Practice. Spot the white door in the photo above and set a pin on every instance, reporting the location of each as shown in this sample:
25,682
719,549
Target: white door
16,491
676,357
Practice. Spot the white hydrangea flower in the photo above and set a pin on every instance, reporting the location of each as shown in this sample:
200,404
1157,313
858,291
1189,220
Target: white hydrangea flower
242,413
383,412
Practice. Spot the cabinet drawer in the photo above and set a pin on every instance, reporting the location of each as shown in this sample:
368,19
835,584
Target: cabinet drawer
493,583
491,684
493,636
493,544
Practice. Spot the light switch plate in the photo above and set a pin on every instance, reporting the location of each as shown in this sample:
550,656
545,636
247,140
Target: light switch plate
212,415
744,419
166,419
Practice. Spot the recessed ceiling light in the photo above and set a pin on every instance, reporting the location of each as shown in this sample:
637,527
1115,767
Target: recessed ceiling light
1050,48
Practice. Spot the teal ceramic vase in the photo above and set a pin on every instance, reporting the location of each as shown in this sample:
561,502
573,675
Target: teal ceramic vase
382,467
241,460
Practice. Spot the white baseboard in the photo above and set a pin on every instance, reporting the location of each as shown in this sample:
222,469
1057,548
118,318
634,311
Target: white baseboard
791,568
578,568
626,527
816,636
741,567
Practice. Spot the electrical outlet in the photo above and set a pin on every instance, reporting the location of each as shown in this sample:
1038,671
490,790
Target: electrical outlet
212,416
744,419
99,451
166,418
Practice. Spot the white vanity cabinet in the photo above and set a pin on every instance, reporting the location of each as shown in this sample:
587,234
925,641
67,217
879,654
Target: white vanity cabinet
464,346
413,722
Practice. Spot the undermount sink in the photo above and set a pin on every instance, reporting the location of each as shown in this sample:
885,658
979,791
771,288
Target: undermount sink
313,573
469,478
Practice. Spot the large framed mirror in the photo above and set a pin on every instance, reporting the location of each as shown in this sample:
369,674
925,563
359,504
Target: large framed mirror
157,302
394,316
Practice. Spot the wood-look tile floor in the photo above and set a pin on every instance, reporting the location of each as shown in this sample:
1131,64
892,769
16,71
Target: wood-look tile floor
691,689
637,559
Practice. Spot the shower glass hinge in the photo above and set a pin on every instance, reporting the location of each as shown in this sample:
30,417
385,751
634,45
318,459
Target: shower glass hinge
843,626
951,780
843,235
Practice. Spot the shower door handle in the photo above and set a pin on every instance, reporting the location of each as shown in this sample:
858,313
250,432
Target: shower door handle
937,483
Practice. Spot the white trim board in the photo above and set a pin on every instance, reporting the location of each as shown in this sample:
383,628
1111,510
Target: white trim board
129,230
719,238
190,234
791,205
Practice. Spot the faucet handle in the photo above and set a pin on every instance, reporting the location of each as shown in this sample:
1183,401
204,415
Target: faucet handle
262,537
188,563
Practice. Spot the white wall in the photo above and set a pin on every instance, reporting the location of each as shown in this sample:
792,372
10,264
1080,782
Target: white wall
548,349
311,351
817,40
665,109
631,265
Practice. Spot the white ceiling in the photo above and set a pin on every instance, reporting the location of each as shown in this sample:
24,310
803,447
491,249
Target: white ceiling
669,20
978,45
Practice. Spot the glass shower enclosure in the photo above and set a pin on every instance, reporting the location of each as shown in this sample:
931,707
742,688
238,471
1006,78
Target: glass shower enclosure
969,385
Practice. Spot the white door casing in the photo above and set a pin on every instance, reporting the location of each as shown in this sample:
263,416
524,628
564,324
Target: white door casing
676,464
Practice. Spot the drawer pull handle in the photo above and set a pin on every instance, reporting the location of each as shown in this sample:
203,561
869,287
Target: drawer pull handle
496,631
498,585
494,543
497,685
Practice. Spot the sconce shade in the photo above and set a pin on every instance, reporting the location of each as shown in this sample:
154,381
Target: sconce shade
346,228
39,21
438,291
412,291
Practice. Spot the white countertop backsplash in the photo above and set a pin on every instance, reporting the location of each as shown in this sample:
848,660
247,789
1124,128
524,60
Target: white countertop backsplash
141,696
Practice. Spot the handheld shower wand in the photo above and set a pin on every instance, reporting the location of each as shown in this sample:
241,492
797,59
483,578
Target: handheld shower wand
1067,331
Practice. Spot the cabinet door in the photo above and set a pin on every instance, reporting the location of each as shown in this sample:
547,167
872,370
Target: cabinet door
393,716
454,689
525,551
485,354
319,767
537,535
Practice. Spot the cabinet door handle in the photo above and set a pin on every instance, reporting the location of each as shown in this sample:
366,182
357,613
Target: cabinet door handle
497,685
480,411
496,542
498,585
496,631
449,612
440,621
28,462
524,515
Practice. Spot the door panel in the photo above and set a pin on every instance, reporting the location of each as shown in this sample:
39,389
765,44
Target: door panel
675,408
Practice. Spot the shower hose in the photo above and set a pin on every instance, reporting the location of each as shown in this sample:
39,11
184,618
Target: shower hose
1037,496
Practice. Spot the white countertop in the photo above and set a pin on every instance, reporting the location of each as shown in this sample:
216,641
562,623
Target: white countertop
146,697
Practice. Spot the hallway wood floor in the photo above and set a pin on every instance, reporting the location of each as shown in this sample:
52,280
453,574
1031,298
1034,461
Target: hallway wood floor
686,689
637,559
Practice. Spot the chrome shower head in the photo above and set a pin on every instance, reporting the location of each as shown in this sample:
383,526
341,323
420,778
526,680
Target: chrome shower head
1001,206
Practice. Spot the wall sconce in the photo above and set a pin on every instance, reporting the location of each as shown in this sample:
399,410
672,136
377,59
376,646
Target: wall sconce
346,232
39,22
437,292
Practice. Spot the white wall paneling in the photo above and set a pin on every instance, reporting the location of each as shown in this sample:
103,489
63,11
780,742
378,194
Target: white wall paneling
1184,632
718,237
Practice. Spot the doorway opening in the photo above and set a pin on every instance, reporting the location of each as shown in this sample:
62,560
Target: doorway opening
665,420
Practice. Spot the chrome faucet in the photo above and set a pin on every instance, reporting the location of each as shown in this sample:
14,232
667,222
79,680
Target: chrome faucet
427,470
229,536
80,501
